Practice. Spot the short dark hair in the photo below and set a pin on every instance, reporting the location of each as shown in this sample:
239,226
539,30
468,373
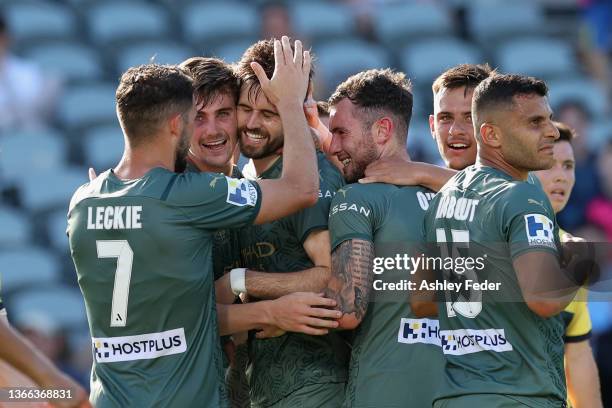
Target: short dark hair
566,133
149,94
379,90
499,91
464,75
212,77
261,52
323,108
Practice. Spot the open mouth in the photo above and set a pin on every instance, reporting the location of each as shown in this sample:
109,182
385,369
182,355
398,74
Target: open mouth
215,145
344,158
458,146
558,194
254,137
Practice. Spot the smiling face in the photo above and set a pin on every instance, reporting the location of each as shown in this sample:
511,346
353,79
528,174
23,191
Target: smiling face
351,142
451,127
215,134
528,133
559,180
259,125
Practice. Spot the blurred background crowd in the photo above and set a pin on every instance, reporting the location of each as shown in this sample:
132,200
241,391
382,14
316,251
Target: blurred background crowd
60,62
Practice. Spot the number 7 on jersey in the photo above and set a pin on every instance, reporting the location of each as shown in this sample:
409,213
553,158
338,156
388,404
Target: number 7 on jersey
121,250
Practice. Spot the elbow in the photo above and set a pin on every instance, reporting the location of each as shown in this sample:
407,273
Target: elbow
424,309
309,197
545,309
348,322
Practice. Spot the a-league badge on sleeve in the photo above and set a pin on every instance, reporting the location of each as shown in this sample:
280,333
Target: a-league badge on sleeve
241,192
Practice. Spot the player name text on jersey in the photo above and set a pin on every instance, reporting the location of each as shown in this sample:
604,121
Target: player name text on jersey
114,217
461,209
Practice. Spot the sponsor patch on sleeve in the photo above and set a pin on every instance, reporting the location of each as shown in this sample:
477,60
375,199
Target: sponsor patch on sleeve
540,230
241,192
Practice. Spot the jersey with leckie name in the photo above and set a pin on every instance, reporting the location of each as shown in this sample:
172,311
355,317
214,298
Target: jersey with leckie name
142,251
396,357
492,341
281,365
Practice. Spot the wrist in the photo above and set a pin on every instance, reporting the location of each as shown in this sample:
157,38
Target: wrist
267,312
238,281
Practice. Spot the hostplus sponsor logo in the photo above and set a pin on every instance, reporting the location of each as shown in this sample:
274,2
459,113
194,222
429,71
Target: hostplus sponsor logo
423,331
139,347
468,341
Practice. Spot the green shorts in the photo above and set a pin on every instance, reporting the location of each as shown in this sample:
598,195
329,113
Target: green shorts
328,395
479,400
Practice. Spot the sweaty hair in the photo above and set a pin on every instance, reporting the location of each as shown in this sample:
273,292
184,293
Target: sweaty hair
498,91
376,93
464,75
261,52
566,134
148,95
212,77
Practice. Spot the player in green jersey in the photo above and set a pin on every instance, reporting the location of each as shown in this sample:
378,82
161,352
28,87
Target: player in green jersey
283,257
141,237
580,368
503,353
396,359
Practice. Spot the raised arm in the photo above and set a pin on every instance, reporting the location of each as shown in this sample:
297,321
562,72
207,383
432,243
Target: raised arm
351,281
407,173
298,185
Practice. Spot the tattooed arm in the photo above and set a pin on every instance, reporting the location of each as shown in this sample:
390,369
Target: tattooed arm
351,280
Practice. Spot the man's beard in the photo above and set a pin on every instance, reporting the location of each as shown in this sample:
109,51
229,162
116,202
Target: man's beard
182,150
259,152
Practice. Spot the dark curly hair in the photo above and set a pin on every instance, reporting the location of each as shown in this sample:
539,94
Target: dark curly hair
464,75
212,77
379,92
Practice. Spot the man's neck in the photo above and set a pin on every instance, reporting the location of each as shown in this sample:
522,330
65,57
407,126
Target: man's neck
395,152
500,164
136,162
263,164
203,167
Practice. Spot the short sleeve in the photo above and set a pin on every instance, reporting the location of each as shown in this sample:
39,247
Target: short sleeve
351,216
214,201
313,218
528,221
580,326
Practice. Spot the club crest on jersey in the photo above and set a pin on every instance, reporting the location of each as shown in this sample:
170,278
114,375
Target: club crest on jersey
241,192
540,230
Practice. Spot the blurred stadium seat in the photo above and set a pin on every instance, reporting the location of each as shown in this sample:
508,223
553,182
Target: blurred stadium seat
122,21
62,302
492,21
209,23
27,267
230,52
319,20
537,56
51,189
55,226
423,61
161,52
71,61
396,23
339,59
87,105
585,91
31,151
103,146
40,20
600,133
15,228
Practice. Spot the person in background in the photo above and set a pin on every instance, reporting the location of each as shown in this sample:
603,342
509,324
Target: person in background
580,369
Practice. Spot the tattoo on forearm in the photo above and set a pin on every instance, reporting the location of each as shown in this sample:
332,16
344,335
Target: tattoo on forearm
352,276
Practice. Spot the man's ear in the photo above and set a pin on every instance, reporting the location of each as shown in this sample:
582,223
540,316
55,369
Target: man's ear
383,130
175,124
490,135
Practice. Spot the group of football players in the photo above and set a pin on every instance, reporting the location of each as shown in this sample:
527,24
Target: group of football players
210,286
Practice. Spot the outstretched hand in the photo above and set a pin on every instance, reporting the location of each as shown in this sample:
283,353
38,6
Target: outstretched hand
289,81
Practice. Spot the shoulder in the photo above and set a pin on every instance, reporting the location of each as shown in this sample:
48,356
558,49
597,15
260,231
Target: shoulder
195,188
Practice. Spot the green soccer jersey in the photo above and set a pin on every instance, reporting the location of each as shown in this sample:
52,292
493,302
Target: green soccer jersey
142,251
396,359
282,365
493,343
226,248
